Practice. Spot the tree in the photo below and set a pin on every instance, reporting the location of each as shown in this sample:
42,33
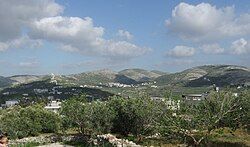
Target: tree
216,111
95,117
100,117
73,114
135,116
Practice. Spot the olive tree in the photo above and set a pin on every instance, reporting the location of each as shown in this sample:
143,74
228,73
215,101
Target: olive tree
99,116
135,116
88,118
72,112
216,111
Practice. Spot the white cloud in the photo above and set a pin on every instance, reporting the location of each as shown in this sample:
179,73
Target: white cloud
124,35
16,14
122,49
22,42
204,22
212,48
81,64
27,23
181,51
80,35
28,64
178,62
3,46
240,46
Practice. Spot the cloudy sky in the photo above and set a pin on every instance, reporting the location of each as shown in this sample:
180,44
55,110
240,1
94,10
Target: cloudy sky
72,36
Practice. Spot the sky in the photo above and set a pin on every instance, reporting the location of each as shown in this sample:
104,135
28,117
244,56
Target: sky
74,36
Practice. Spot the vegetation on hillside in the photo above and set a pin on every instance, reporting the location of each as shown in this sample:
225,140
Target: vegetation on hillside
138,118
221,75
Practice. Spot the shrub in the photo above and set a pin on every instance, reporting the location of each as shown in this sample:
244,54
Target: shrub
30,121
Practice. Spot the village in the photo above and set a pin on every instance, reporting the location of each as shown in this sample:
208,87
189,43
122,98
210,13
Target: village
55,95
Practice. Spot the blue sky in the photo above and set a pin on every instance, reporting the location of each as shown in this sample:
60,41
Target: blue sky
72,36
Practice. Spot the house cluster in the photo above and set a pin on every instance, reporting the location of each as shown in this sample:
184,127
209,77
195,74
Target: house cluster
55,90
118,85
40,91
90,86
9,103
148,83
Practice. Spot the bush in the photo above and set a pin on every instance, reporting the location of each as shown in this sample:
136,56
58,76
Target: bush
30,121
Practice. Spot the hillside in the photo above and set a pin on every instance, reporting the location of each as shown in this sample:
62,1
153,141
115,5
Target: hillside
39,90
4,82
207,75
221,75
22,79
95,77
98,77
141,74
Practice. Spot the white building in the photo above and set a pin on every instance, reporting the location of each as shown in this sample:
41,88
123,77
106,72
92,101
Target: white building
193,97
171,104
10,103
53,106
235,94
217,89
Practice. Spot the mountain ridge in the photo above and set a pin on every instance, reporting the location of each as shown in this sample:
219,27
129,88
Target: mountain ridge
195,76
205,75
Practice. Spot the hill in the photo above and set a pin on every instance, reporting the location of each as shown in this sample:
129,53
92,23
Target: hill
94,77
221,75
41,90
141,74
22,79
97,77
4,82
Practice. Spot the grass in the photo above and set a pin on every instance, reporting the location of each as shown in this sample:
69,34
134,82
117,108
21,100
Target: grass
218,138
240,137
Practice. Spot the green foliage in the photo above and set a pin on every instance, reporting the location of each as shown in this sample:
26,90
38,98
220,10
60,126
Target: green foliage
139,116
100,117
124,116
95,117
30,121
72,112
239,115
135,115
218,110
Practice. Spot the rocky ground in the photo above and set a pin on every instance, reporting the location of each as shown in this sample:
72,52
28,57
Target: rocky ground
55,145
51,140
118,142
